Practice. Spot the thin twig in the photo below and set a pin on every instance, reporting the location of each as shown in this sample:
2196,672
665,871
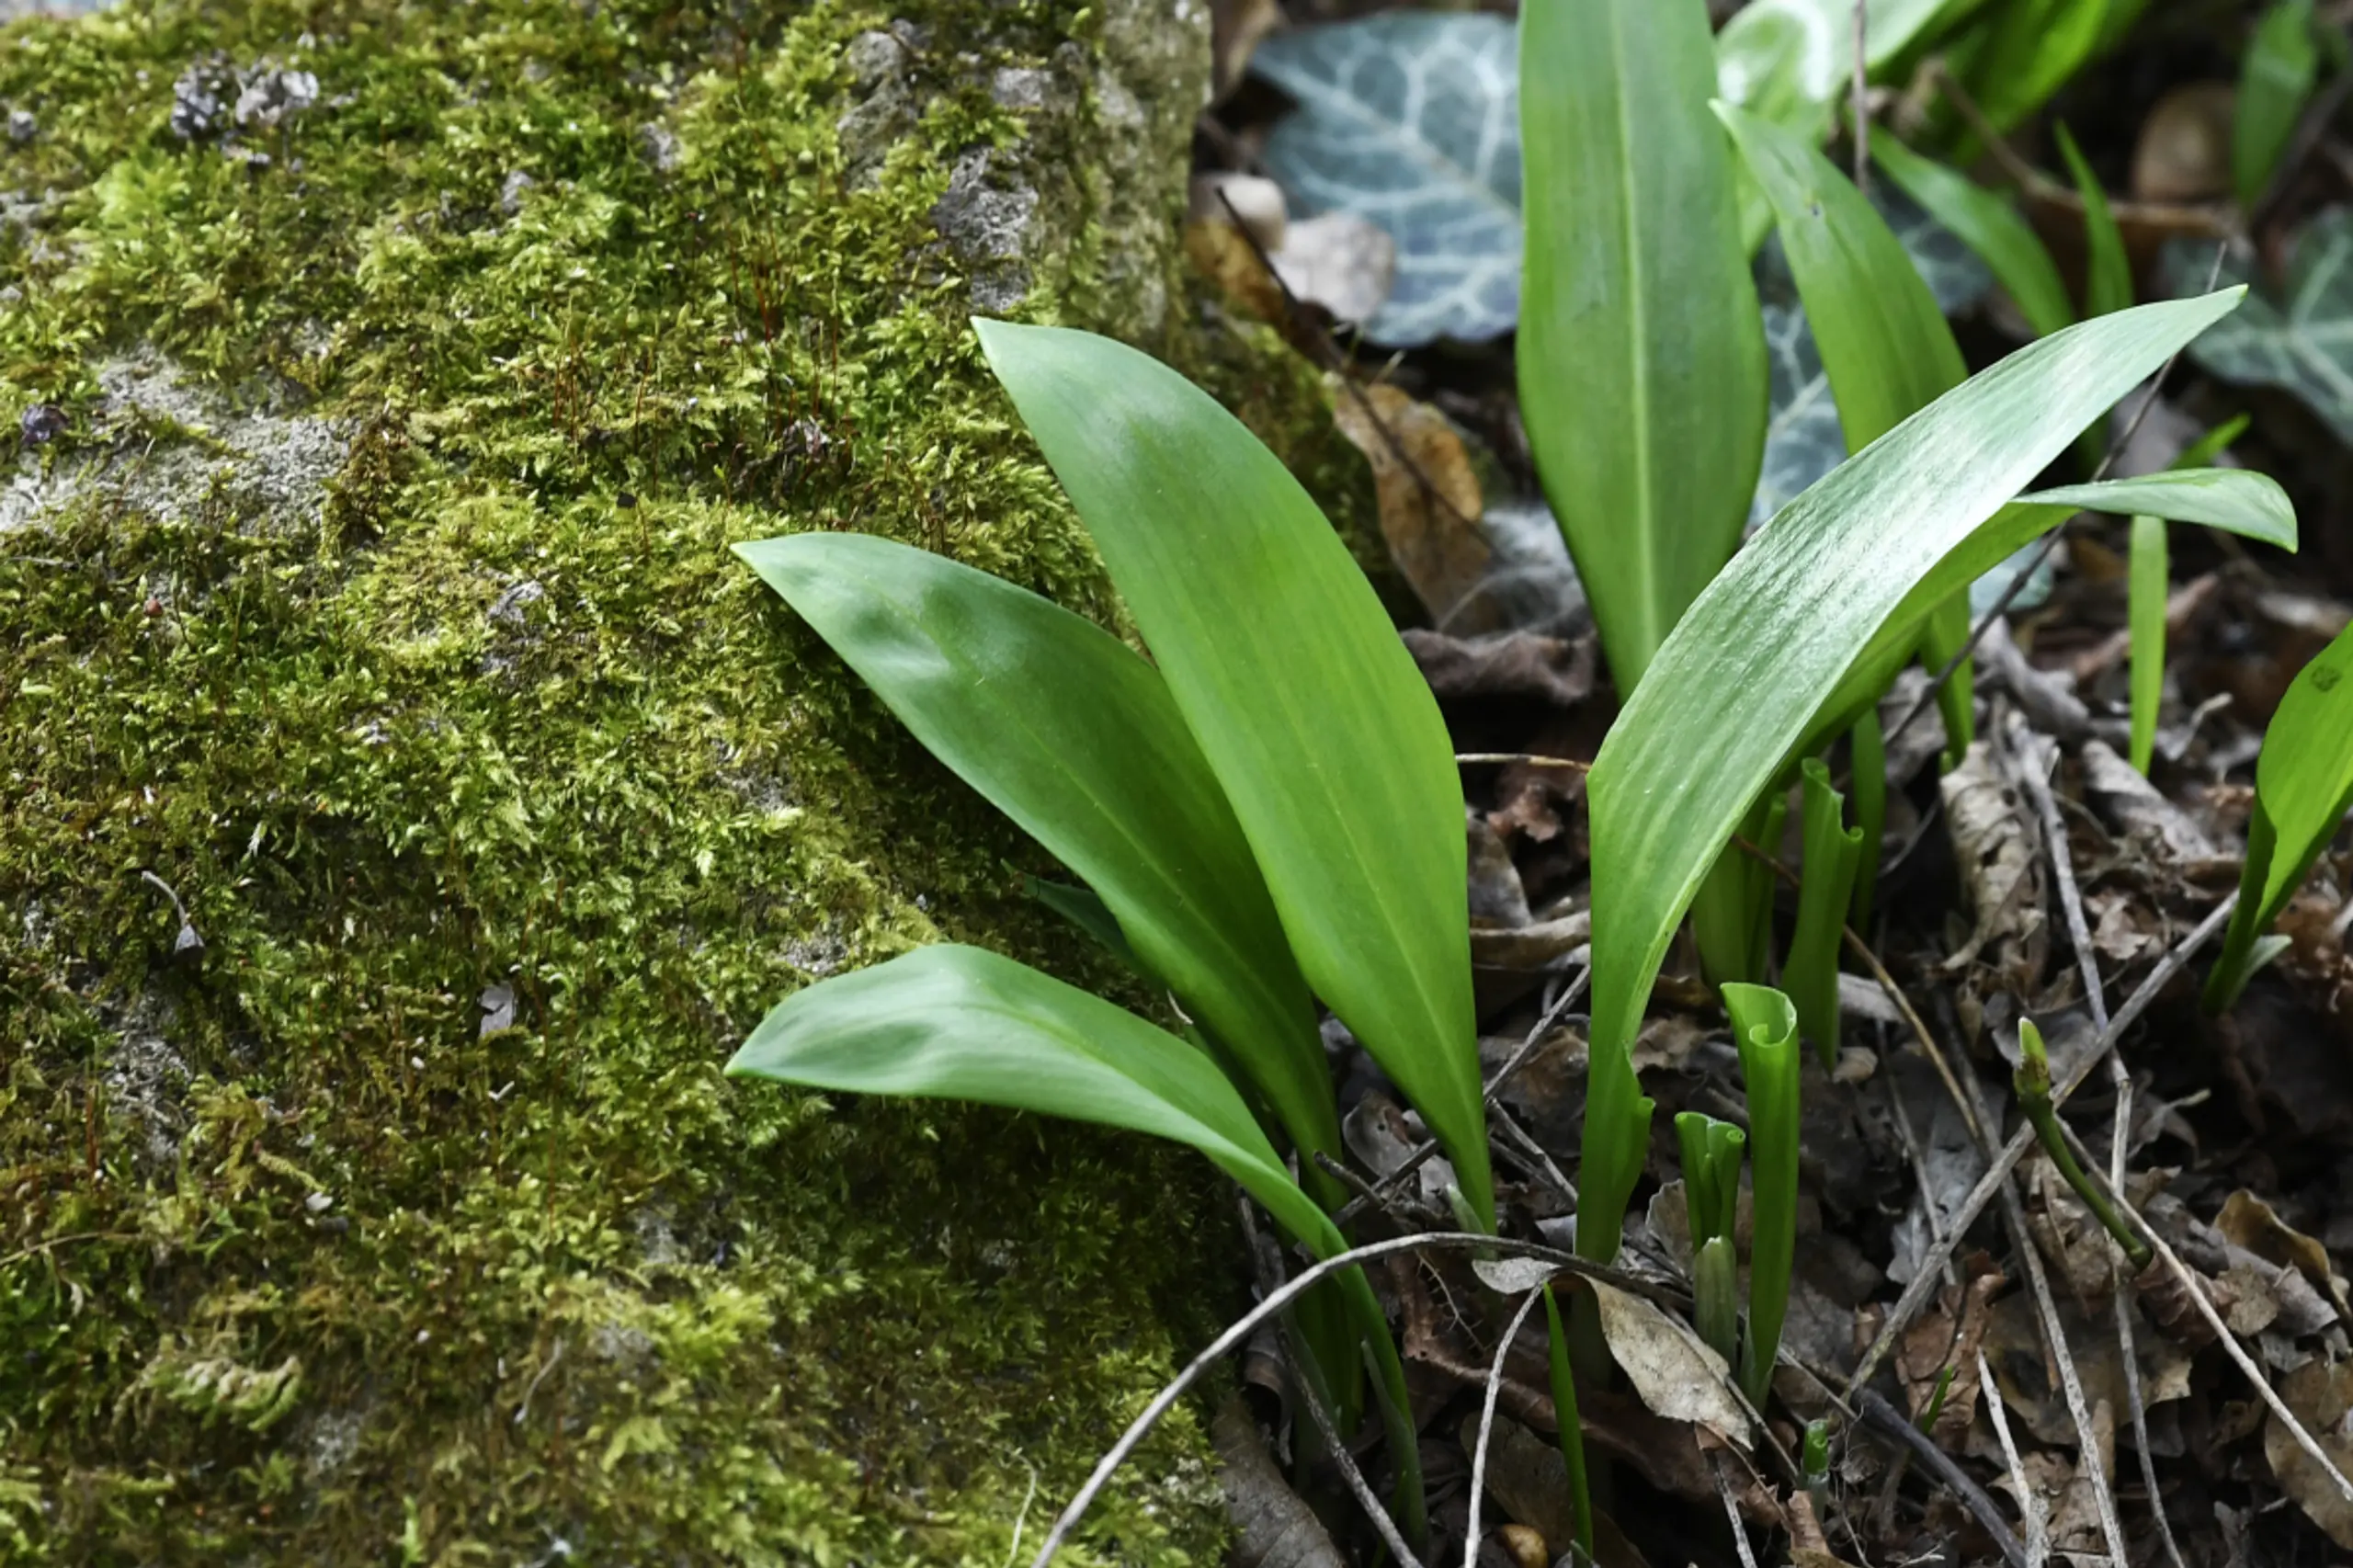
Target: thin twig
2122,1299
2030,1506
1917,1293
1358,1487
1885,1419
1299,1285
1487,1425
1387,1186
1524,759
1731,1510
2195,1288
1860,88
2111,1527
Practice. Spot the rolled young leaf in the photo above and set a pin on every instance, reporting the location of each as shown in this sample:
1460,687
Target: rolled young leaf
1988,224
1765,1028
1318,727
1803,630
2303,786
952,1022
1066,731
2148,579
1825,886
1868,744
1641,349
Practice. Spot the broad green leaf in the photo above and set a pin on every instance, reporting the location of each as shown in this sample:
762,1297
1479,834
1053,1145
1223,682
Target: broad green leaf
1642,354
1884,342
960,1023
1066,731
1830,590
2303,786
2235,500
2303,342
2034,46
1988,224
1803,441
1292,678
2107,271
2275,80
1410,119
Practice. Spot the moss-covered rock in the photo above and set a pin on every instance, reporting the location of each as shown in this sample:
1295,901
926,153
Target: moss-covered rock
410,803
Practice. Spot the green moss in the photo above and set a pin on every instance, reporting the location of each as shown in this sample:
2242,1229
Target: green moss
376,603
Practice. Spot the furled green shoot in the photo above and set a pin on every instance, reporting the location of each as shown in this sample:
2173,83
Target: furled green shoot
2275,81
2032,1082
1784,650
1987,222
1815,1461
1288,675
1641,349
1936,1405
1711,1152
2303,785
1867,751
1571,1430
1765,1028
1825,887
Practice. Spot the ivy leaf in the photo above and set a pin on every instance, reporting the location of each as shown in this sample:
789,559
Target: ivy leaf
1411,121
2303,342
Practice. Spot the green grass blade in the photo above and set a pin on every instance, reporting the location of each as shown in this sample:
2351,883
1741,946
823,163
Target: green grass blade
1765,1028
1987,224
2149,580
1065,730
2235,500
2107,271
2303,785
2035,46
1807,623
1824,889
2275,80
1319,729
1641,349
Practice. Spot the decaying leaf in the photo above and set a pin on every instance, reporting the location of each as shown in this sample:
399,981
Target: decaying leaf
2184,150
1430,501
1948,1335
1273,1528
1540,946
1497,899
1673,1372
1236,28
1508,663
1512,1275
2248,1222
1999,854
2321,1395
1221,254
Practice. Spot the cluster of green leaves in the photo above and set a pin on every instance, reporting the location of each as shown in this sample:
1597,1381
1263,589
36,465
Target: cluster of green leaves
1267,810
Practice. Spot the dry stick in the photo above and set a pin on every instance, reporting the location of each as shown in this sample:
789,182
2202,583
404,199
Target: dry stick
1861,89
2033,772
2030,1506
2017,585
1885,1419
1299,1285
1731,1510
1487,1425
1388,1185
2196,1290
1915,1294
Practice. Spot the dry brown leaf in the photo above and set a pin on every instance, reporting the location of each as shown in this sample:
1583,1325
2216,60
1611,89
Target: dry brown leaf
1948,1335
1430,499
2248,1222
2184,150
1273,1528
1999,855
2320,1395
1236,28
1673,1372
1220,252
1558,670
